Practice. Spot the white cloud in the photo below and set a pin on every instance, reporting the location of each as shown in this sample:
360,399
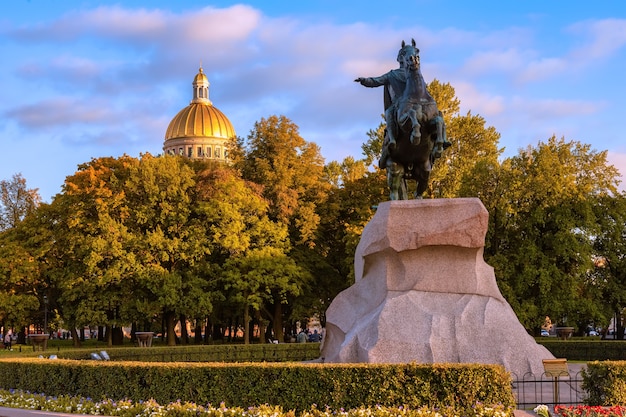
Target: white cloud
479,102
607,36
509,60
543,68
60,112
554,108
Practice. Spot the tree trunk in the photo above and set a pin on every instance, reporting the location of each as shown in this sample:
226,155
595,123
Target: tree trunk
75,337
246,325
184,336
208,331
21,336
117,336
133,329
259,319
170,322
278,321
197,338
109,335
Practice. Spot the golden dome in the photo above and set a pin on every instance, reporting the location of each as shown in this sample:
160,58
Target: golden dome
197,120
199,130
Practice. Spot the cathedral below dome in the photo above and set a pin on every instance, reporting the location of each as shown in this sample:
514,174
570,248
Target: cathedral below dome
200,130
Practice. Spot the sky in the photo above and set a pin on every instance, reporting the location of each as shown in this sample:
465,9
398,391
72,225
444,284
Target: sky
88,79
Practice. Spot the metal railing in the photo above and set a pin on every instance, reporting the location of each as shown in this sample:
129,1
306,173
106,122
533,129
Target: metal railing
531,390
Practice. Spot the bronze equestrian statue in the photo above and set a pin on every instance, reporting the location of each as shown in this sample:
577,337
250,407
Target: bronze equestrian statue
416,133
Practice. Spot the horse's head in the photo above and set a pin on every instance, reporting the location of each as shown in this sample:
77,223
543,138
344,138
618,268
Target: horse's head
409,56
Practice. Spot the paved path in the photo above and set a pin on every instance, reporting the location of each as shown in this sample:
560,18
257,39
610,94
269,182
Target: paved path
19,412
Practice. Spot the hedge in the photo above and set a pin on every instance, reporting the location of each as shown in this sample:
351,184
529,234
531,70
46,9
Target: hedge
581,350
282,352
605,383
293,386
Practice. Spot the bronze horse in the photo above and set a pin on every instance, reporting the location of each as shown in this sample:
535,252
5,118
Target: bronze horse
417,135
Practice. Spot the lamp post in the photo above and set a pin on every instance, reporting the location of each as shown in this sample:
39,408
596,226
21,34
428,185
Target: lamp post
45,314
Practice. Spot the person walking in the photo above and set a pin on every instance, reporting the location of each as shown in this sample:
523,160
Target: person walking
8,340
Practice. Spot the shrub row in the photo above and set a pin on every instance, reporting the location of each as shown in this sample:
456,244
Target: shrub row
283,352
289,385
605,383
575,350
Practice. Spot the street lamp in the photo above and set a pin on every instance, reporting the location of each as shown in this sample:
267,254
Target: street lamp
45,314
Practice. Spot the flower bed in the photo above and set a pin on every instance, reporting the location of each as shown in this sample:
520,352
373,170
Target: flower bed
128,408
589,411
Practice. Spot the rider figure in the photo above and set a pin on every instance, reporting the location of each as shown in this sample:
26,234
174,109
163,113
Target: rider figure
395,83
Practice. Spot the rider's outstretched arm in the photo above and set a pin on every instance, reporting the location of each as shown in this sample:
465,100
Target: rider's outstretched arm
373,81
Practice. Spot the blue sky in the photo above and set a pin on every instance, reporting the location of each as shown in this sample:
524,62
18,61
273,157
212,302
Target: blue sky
85,79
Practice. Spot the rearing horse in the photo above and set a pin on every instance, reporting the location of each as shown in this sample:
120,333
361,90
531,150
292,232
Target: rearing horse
418,134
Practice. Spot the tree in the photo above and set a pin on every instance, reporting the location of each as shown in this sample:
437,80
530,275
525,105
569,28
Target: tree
290,171
20,291
540,238
609,274
250,248
16,201
133,245
169,241
472,142
92,243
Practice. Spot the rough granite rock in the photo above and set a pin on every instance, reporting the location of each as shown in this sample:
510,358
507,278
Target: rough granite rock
424,294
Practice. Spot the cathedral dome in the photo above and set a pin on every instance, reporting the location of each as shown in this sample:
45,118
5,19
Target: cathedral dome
200,130
197,120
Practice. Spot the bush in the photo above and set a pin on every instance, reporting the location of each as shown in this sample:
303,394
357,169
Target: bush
293,386
605,383
283,352
582,350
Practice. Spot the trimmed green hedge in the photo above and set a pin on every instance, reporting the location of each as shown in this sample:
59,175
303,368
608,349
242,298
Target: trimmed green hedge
605,383
282,352
294,386
580,350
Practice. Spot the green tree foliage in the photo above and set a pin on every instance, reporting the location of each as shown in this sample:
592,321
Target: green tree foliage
540,239
92,243
354,194
290,170
609,275
472,143
16,201
22,289
373,147
20,294
249,248
169,239
131,243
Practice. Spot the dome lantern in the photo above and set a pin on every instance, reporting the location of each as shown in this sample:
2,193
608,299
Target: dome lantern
201,88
